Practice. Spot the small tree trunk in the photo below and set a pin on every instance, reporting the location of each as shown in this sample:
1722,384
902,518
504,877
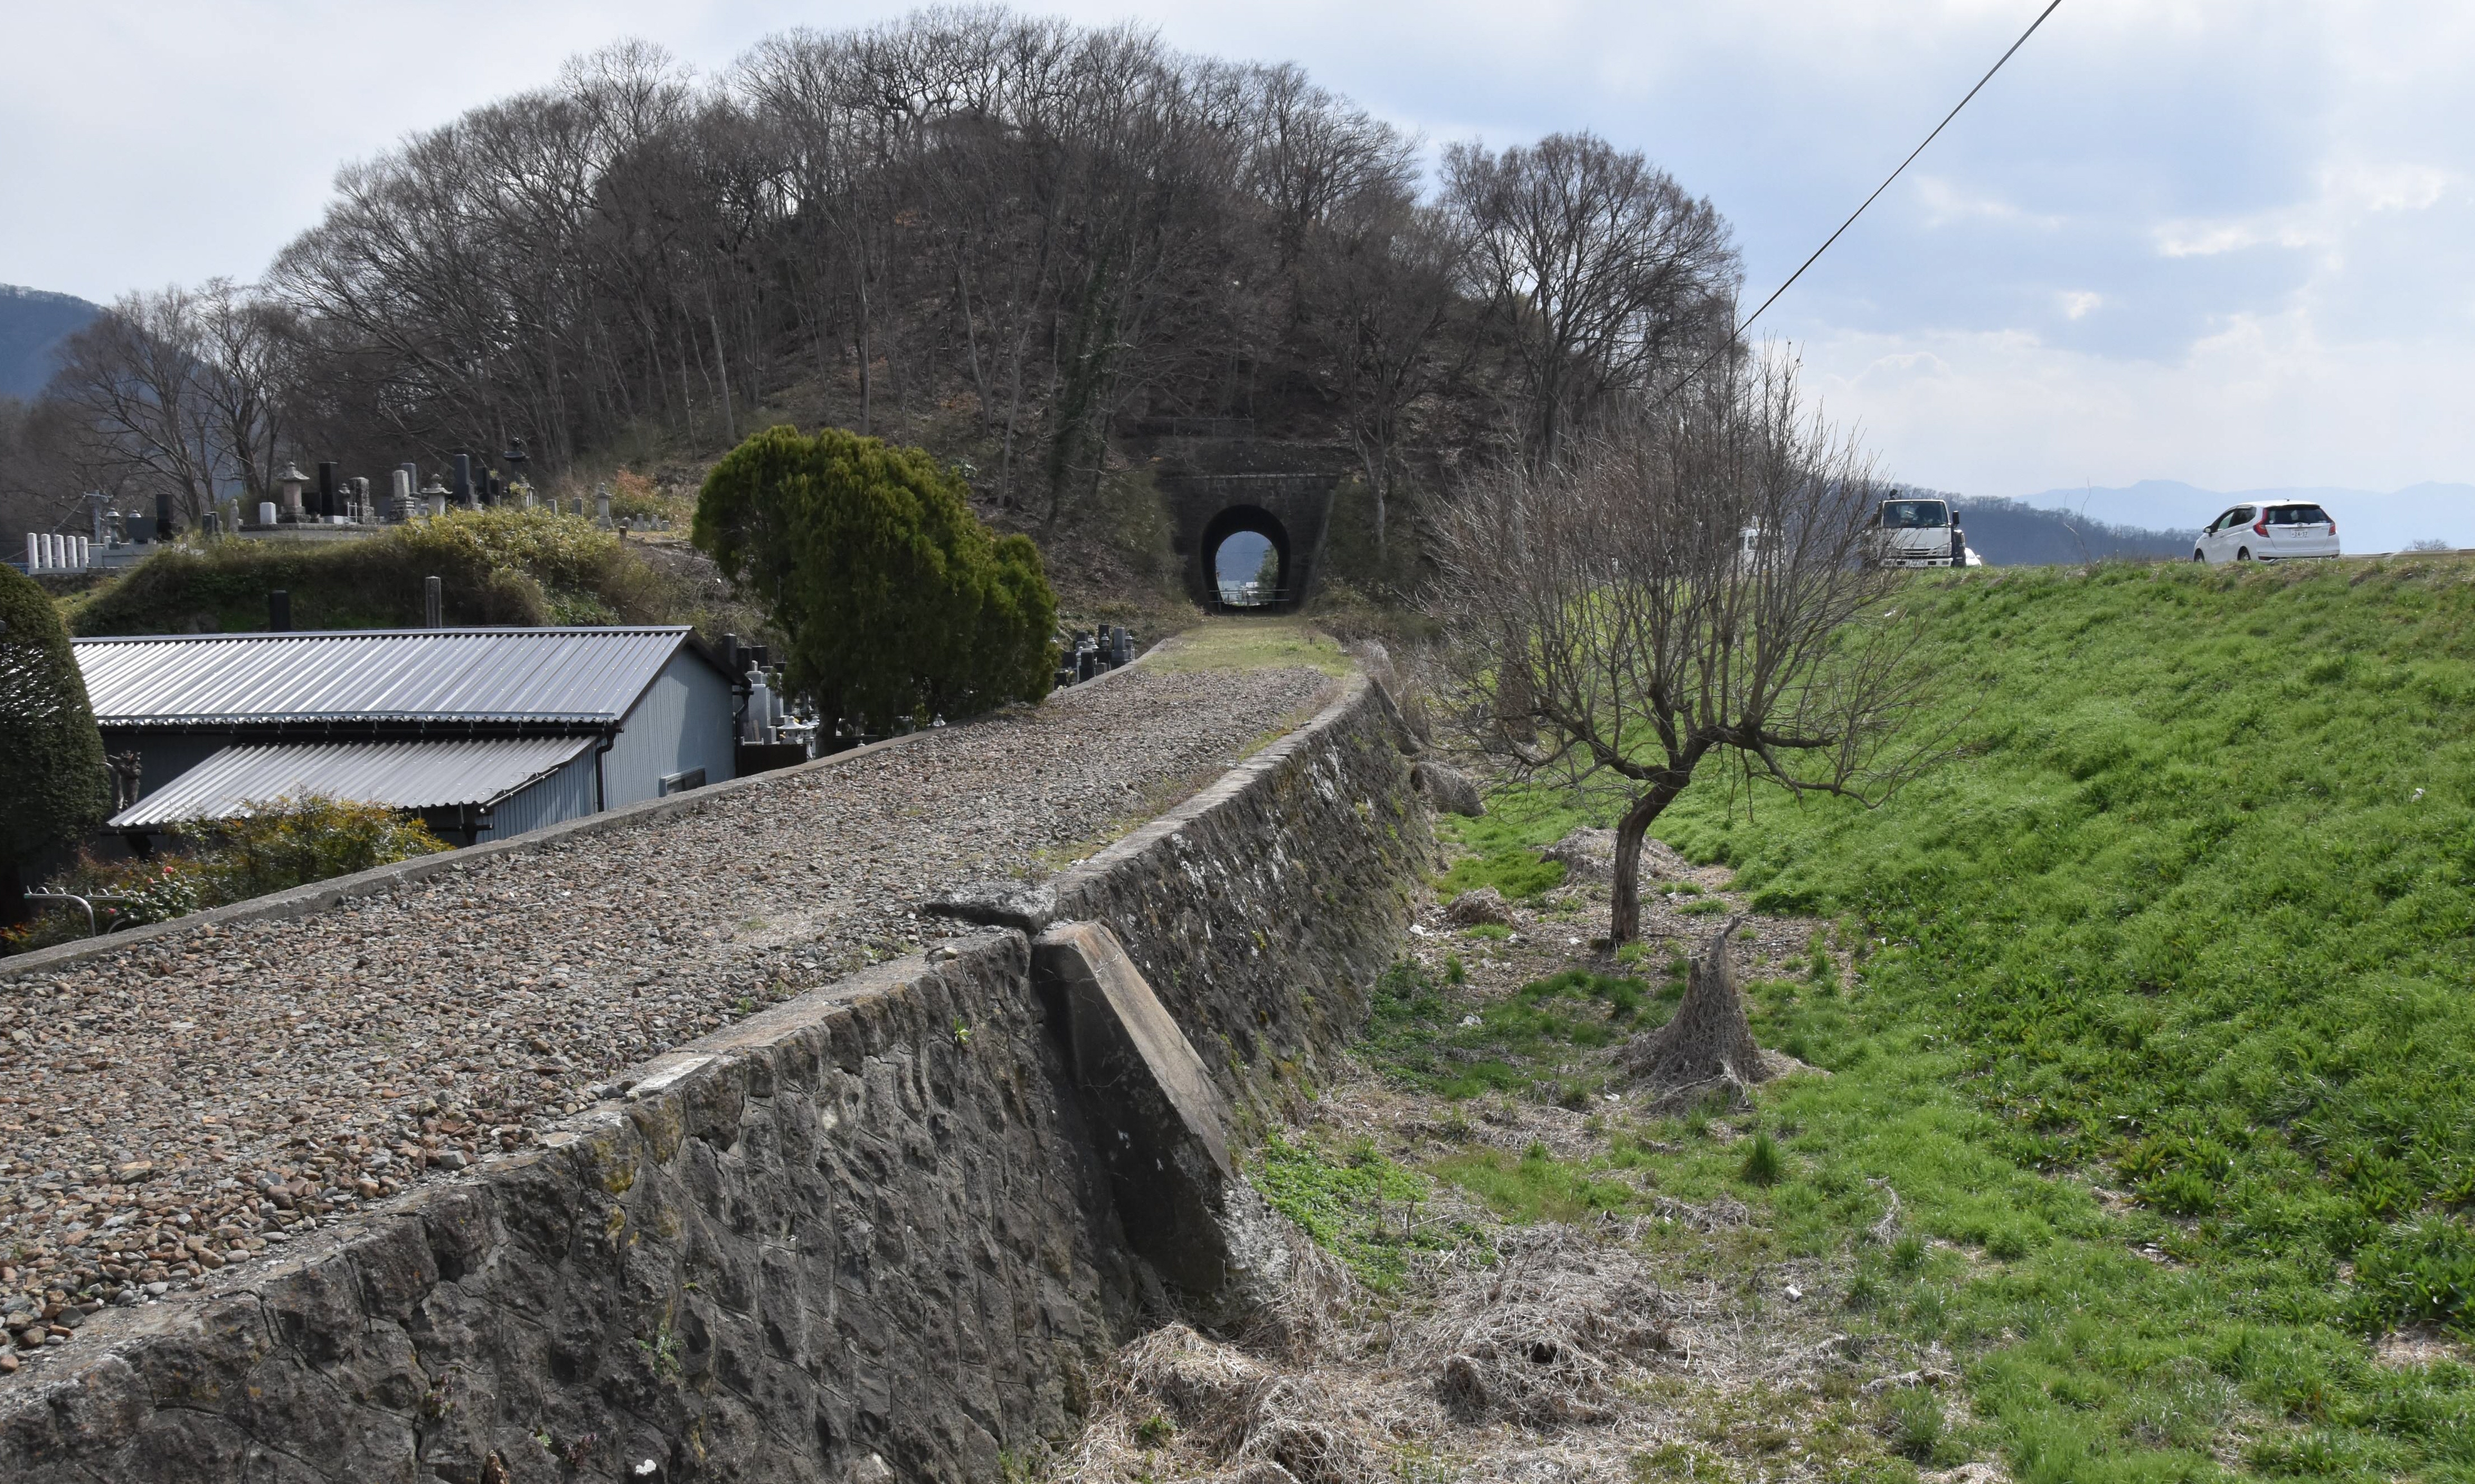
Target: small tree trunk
1514,700
1624,915
1709,1042
1624,907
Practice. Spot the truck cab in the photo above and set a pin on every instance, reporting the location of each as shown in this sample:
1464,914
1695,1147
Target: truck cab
1918,530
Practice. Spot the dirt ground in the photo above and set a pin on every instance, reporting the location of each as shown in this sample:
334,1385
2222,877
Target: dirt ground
1663,1340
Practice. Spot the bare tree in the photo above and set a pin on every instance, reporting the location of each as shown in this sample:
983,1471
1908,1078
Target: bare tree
181,387
1606,269
50,459
245,344
1382,301
1695,581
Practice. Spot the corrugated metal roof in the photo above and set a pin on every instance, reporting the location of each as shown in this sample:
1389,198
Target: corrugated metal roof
561,675
399,774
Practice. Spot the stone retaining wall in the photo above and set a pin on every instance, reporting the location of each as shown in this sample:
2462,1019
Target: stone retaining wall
861,1236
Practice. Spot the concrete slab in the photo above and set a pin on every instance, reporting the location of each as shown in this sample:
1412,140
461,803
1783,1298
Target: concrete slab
1161,1122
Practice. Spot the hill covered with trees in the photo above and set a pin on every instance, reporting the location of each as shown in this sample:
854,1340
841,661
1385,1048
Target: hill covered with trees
1026,245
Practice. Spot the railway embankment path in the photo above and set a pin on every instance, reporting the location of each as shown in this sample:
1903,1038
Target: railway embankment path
205,1097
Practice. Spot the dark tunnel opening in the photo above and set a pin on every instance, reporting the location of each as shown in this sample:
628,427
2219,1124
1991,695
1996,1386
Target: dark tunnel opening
1245,561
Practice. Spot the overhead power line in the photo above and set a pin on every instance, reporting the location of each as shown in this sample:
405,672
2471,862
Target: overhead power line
1748,320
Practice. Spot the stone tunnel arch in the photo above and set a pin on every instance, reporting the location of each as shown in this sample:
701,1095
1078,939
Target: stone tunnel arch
1289,508
1241,519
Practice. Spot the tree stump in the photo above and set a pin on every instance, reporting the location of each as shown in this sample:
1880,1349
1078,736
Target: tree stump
1708,1047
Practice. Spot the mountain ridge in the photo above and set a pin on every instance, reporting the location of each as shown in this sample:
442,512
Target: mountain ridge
2368,520
33,323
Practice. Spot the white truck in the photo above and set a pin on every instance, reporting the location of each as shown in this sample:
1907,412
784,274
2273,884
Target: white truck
1918,530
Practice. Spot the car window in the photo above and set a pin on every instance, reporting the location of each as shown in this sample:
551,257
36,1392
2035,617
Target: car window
2241,515
2222,522
1908,515
2298,515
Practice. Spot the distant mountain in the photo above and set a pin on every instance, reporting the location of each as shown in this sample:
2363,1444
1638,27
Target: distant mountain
32,326
2006,533
2368,520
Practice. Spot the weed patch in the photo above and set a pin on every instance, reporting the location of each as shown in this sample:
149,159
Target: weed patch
1535,1187
1540,1042
1359,1206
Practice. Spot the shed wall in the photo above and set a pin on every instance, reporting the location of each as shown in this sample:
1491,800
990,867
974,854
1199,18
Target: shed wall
565,794
682,722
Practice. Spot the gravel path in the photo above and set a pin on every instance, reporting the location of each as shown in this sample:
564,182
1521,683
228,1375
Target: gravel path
174,1108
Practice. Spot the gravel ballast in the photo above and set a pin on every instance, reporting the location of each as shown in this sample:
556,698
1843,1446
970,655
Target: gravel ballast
193,1101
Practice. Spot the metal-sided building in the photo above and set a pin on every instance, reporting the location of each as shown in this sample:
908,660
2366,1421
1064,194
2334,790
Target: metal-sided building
484,733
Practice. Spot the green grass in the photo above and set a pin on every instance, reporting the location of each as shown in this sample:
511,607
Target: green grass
1504,845
1357,1204
1536,1043
1535,1187
1252,643
1519,874
2176,922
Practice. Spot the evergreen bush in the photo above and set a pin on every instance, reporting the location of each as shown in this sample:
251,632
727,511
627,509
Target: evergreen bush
897,600
52,782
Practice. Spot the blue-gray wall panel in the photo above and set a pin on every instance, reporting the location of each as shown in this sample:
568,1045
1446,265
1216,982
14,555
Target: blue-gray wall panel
565,794
683,722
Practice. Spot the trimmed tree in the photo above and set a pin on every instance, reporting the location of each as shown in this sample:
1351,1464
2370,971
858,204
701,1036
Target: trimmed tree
1697,585
51,756
897,601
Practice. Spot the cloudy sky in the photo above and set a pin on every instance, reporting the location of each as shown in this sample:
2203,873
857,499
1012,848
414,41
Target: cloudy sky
2222,241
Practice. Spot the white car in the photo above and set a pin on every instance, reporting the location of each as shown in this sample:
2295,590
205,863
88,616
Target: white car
2277,530
1918,532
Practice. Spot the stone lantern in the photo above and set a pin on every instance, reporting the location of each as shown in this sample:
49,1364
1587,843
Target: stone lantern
290,479
288,483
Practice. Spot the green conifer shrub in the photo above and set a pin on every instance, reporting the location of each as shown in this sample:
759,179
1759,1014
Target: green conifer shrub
52,783
898,602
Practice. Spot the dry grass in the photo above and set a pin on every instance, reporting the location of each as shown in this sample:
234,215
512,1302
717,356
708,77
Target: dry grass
1551,1352
1665,1340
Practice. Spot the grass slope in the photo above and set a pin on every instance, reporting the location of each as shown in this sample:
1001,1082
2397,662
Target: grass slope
2162,1028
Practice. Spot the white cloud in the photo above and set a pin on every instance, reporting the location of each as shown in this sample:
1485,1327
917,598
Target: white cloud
1944,202
2347,194
2253,404
2080,303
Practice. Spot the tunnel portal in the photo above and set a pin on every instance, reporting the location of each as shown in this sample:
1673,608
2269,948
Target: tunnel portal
1288,510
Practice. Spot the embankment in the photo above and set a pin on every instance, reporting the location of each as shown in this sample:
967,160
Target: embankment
864,1234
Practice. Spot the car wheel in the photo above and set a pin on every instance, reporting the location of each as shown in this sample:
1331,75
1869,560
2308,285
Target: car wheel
2198,556
2243,553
